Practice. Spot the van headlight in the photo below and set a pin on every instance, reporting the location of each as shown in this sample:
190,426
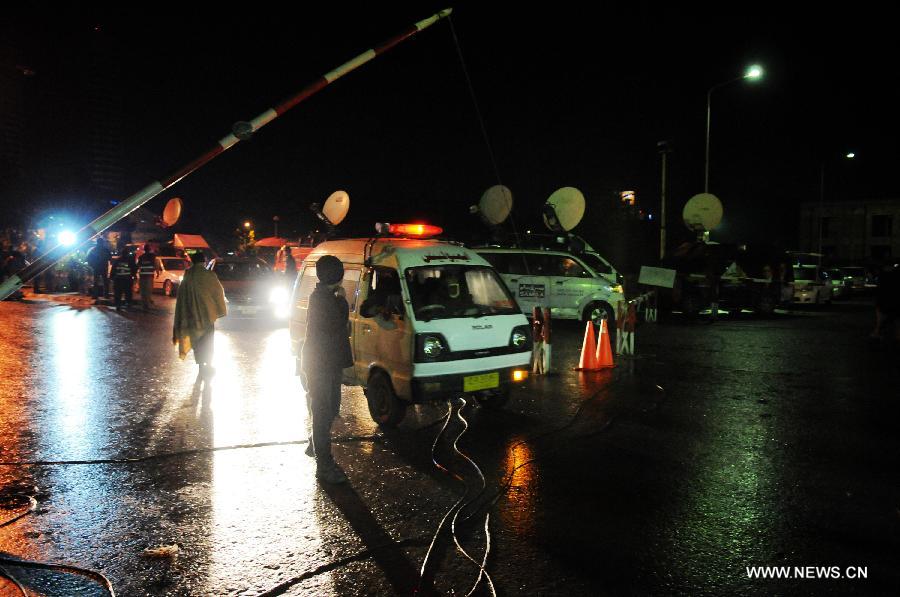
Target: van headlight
521,337
617,288
278,295
430,347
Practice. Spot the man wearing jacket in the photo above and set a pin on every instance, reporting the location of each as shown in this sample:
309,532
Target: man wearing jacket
146,271
200,302
124,269
326,352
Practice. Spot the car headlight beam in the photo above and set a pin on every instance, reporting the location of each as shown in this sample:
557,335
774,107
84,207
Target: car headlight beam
278,295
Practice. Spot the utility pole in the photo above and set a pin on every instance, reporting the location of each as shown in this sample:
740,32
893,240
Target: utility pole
664,148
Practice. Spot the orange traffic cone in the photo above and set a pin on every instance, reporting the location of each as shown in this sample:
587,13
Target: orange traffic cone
604,357
588,359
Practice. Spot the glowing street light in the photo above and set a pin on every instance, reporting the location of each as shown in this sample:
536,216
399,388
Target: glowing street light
848,156
247,224
753,73
67,238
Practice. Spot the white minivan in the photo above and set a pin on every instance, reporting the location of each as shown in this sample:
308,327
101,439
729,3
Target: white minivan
429,319
573,286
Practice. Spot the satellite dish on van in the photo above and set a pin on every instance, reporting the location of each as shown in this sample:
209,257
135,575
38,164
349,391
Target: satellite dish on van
172,212
336,207
495,205
334,211
702,212
564,209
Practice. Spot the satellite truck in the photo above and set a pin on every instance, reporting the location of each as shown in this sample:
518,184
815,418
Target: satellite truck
559,271
757,278
429,319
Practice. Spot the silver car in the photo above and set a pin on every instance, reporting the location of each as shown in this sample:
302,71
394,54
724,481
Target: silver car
169,273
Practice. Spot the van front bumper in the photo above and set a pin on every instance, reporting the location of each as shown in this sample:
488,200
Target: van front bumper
442,387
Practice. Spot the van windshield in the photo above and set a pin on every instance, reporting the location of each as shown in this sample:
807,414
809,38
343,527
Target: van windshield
449,291
805,274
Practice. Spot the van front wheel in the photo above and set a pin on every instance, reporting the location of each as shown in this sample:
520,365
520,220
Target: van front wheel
385,407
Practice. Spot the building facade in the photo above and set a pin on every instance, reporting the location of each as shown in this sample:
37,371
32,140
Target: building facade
851,232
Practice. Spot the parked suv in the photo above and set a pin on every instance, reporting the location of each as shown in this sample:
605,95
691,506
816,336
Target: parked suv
573,286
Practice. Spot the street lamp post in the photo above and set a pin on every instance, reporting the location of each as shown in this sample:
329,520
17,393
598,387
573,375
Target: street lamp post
753,73
848,156
664,149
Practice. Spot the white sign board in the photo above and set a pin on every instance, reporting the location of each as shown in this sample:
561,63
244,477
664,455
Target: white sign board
657,276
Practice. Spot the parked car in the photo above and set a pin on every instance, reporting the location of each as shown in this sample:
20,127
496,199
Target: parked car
169,273
841,286
571,285
753,277
857,278
810,287
251,288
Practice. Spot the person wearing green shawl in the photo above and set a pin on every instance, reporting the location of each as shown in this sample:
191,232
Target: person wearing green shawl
200,301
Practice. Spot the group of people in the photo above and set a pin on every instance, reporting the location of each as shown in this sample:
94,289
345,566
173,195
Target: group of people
326,350
124,270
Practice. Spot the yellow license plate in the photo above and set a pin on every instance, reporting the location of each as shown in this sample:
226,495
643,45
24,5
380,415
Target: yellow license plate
485,381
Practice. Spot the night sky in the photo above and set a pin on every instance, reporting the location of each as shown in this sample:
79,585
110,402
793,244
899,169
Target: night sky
570,97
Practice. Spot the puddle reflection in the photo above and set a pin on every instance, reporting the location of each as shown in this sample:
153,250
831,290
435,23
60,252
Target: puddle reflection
523,469
260,493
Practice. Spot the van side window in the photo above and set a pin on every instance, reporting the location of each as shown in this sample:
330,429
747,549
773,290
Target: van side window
499,261
569,268
384,295
516,264
536,264
307,283
350,285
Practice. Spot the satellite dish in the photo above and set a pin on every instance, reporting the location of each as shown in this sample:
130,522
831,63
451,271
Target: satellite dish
336,207
172,212
702,212
495,205
564,209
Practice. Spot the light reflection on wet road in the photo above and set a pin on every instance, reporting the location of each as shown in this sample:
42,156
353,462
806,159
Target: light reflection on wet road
635,491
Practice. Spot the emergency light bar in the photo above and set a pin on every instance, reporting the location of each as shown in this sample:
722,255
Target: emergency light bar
418,230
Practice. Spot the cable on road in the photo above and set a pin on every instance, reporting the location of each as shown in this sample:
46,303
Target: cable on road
194,451
481,571
459,505
32,506
191,452
20,563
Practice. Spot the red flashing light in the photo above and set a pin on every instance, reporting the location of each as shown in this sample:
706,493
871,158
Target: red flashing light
418,230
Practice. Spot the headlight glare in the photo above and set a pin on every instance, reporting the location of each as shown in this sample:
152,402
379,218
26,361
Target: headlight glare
519,338
278,295
432,347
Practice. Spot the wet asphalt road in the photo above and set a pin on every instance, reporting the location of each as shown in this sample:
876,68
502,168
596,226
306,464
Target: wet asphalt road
747,443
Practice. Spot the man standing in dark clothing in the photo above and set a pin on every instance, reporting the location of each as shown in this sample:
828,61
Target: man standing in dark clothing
326,352
146,271
98,260
887,306
123,277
